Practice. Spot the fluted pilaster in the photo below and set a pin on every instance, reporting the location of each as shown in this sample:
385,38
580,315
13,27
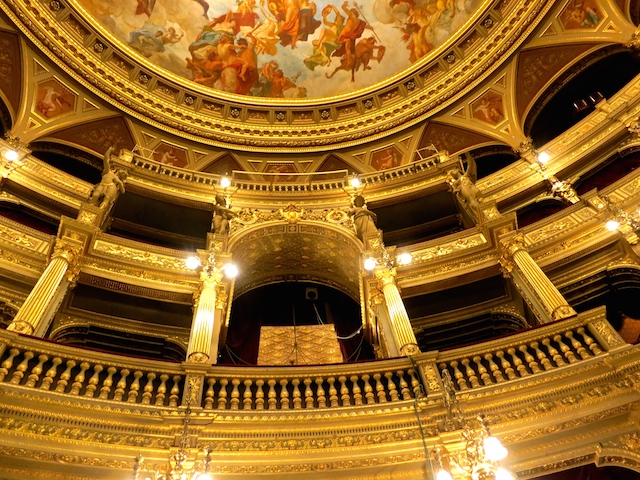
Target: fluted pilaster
36,313
203,326
532,282
402,330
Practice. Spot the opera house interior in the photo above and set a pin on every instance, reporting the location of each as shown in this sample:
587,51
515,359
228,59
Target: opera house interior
261,239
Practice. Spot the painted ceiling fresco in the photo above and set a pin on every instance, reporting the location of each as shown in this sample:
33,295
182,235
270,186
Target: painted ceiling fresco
283,48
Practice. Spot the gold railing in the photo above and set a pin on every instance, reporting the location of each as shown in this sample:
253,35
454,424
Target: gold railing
36,364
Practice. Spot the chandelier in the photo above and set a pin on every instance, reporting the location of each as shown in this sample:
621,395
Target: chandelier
180,465
482,451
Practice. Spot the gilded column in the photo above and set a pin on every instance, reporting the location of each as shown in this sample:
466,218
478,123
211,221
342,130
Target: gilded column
538,291
36,313
202,328
401,328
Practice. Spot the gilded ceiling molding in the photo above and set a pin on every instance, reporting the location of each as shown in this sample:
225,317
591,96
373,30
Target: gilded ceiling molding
218,119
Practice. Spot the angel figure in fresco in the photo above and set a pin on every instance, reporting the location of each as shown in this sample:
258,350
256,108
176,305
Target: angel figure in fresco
265,34
353,29
463,183
361,57
327,42
363,219
52,101
111,185
287,13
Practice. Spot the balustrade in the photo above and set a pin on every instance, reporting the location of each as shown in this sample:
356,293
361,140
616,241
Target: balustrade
32,363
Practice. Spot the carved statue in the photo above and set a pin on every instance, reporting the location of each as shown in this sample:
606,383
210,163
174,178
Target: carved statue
221,216
363,219
111,185
464,185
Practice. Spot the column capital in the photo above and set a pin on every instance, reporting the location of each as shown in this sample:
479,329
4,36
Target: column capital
64,249
385,275
513,244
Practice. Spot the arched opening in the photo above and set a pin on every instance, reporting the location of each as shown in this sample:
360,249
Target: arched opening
608,172
295,323
539,210
576,93
70,160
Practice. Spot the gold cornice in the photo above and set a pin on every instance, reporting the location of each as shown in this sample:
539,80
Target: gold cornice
396,106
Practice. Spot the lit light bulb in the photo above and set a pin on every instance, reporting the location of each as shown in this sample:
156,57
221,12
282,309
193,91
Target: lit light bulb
612,225
230,270
355,182
405,258
503,474
225,182
193,263
494,450
543,157
204,476
370,263
11,155
443,475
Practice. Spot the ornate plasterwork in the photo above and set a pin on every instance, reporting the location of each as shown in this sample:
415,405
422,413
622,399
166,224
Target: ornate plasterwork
221,119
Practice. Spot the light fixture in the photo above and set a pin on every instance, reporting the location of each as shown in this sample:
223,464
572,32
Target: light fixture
193,262
370,263
355,182
179,465
11,155
612,225
230,270
479,458
543,157
225,182
404,258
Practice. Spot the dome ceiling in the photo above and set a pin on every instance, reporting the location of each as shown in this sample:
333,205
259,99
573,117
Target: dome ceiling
209,72
283,48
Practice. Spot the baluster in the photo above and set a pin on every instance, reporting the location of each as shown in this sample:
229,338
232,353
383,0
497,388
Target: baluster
320,393
272,400
393,390
357,391
235,395
495,370
368,390
380,392
577,346
222,394
284,394
533,365
134,389
63,381
8,363
459,376
566,351
208,396
416,386
308,393
105,390
522,370
404,386
333,392
174,394
344,391
482,371
162,390
92,384
79,380
147,391
34,376
506,365
546,364
118,393
555,355
259,395
247,400
18,373
590,342
470,373
297,395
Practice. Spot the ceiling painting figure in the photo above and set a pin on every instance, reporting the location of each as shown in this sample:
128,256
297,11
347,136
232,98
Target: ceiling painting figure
54,99
282,48
170,155
581,14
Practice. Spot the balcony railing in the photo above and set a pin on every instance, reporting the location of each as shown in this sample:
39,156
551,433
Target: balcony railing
32,363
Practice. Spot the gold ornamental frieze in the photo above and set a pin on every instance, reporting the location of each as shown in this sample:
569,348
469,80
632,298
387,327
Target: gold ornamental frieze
139,256
138,275
291,214
22,239
66,33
